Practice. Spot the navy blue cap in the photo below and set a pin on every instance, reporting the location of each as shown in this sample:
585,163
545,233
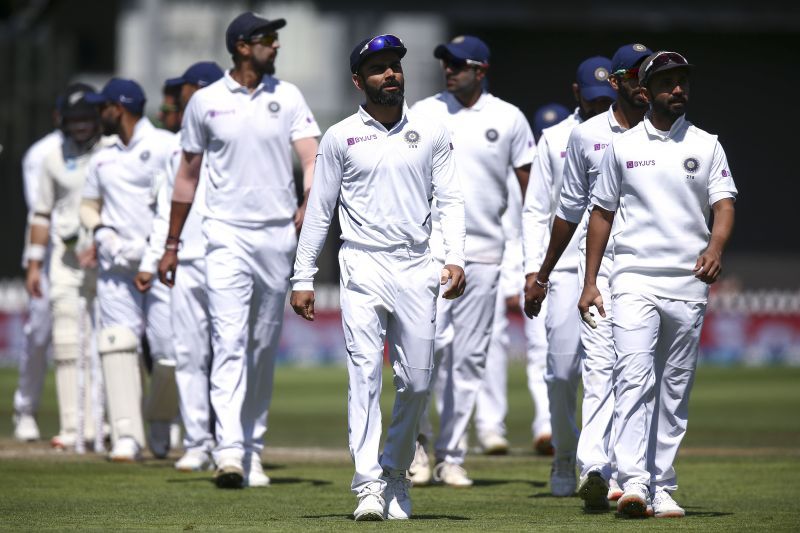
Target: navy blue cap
659,62
122,91
464,47
202,74
629,56
247,25
547,115
373,45
592,78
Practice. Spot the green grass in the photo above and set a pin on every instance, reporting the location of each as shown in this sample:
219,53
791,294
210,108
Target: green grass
738,472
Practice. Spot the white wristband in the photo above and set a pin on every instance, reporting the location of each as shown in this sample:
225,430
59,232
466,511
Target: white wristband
36,252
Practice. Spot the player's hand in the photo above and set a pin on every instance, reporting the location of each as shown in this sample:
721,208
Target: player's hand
87,257
143,281
512,304
303,304
534,295
590,297
167,267
458,281
708,266
33,280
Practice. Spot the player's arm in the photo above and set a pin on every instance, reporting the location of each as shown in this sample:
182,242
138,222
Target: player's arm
148,266
523,174
306,150
709,264
182,197
523,150
39,229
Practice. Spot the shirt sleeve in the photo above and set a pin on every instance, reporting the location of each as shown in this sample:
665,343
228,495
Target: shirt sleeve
30,173
575,189
449,199
607,188
328,171
194,136
523,147
537,209
91,188
45,197
720,179
303,123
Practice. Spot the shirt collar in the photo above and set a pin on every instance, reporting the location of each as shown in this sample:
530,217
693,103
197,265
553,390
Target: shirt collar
613,123
677,127
576,115
236,87
142,128
479,104
367,119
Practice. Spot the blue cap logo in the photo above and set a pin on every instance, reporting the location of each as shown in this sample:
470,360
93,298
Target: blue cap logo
601,74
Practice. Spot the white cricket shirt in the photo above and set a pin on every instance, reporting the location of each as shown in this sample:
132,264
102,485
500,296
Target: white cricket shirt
490,137
512,280
246,138
32,164
664,184
385,183
125,179
542,197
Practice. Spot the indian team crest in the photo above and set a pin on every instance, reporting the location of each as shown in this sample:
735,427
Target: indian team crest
492,135
274,107
639,47
601,74
144,156
412,138
550,116
691,165
458,39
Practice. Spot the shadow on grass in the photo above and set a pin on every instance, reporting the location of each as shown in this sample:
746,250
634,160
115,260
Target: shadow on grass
706,514
413,517
273,481
484,483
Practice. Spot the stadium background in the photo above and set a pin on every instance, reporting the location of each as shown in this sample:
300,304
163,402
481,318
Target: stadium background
744,90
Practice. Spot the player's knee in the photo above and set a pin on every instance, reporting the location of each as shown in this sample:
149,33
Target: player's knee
412,382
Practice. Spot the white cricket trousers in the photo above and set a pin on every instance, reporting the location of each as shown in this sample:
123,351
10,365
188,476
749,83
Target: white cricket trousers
191,326
33,358
463,360
564,355
595,445
656,340
386,295
536,352
491,404
247,276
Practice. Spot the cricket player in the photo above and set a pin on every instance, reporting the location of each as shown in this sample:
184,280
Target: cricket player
492,136
169,112
665,176
38,325
385,165
564,352
72,272
243,128
188,297
118,208
585,149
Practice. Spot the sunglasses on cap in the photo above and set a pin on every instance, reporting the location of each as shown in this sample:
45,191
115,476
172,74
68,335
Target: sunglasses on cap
382,41
265,40
627,74
663,58
455,63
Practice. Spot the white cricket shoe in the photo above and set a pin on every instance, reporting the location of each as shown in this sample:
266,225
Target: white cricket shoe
614,490
254,473
229,473
419,472
371,505
125,450
25,428
493,444
593,490
158,438
633,502
451,474
194,461
64,441
396,497
562,477
665,507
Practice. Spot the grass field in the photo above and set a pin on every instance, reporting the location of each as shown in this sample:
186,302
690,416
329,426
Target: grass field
738,470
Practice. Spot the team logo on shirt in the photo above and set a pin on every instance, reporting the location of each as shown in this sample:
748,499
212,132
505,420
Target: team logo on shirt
725,172
637,164
492,135
274,107
600,146
601,74
355,140
691,164
412,138
144,156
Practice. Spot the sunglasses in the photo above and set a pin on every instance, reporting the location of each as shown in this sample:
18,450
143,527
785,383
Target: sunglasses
455,64
663,58
382,41
265,40
627,74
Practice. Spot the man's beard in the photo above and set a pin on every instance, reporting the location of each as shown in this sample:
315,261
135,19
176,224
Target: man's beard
109,127
632,99
664,109
380,97
265,69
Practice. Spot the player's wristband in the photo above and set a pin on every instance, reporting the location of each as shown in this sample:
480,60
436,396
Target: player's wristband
36,252
545,285
173,246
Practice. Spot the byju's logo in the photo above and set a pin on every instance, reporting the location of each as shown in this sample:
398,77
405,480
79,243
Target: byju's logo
637,164
216,113
355,140
600,146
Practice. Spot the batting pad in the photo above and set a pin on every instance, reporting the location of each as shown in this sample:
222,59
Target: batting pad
118,352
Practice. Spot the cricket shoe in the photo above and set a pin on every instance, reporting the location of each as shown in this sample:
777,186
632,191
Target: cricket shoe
451,474
229,473
593,490
396,497
254,475
419,472
371,504
543,444
562,477
493,444
64,441
614,490
25,428
125,450
665,507
158,438
194,461
633,502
